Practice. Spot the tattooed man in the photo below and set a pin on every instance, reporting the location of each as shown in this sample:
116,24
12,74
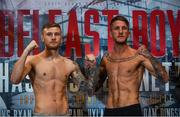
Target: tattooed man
124,67
49,72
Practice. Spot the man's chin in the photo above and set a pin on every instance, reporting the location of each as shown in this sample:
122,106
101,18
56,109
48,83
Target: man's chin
53,47
120,42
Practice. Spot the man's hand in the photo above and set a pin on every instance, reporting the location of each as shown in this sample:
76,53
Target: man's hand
31,46
90,66
90,61
143,51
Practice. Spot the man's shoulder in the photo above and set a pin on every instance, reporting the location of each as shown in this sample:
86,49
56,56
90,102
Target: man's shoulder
33,59
70,64
132,50
135,52
68,61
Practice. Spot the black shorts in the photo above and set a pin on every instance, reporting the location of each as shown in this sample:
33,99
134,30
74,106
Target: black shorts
132,110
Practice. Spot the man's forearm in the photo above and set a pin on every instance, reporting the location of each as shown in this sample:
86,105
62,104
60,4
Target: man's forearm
19,67
159,69
100,81
17,72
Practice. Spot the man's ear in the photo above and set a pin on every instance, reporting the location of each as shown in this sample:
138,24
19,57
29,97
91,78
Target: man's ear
42,38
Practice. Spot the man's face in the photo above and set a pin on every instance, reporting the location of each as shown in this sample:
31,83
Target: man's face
119,31
52,37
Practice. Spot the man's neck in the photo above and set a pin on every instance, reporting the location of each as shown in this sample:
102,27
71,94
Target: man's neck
120,48
53,53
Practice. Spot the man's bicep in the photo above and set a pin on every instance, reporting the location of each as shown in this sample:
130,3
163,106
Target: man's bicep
76,74
148,65
27,67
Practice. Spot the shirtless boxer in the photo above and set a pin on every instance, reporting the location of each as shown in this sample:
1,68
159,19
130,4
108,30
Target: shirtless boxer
48,72
124,67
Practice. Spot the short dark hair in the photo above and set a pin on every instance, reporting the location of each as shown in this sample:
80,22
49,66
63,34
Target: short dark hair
121,18
49,25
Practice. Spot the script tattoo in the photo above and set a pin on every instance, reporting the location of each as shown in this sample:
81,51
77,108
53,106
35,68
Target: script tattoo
121,59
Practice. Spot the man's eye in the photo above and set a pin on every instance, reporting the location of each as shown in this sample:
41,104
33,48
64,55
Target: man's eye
49,34
57,34
116,28
124,28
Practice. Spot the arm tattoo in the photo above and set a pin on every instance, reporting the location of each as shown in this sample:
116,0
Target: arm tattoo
155,63
90,72
158,68
78,78
77,75
121,59
83,84
96,76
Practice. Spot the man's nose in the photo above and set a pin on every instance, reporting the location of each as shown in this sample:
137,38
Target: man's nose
53,36
120,31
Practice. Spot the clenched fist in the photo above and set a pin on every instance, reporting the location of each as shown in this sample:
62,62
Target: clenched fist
143,51
31,46
90,60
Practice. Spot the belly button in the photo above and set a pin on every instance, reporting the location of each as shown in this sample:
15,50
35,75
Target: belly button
44,74
129,71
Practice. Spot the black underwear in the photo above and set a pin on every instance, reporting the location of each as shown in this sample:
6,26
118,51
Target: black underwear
132,110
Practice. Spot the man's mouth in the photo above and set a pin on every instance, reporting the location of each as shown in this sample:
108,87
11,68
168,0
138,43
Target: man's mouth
53,42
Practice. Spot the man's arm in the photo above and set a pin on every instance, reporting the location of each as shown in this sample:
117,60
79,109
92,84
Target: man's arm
22,67
153,65
79,79
102,75
99,75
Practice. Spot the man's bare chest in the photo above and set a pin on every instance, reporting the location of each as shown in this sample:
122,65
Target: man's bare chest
49,70
124,69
